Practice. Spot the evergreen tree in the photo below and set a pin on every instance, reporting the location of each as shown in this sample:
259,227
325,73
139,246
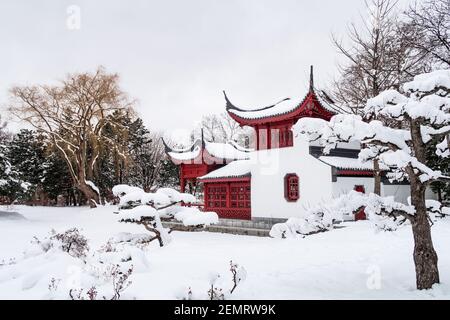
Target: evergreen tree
169,174
441,188
26,155
57,180
10,186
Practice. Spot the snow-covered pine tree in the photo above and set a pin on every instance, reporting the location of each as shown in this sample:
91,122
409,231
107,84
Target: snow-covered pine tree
10,186
418,119
26,154
146,209
169,174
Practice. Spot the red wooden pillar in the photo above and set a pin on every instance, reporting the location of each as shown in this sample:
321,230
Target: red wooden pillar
228,195
257,138
182,180
205,196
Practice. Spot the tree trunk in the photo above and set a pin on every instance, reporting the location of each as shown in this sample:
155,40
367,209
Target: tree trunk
425,257
91,196
439,192
376,177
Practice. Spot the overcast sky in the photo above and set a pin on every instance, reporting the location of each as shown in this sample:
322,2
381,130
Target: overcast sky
176,57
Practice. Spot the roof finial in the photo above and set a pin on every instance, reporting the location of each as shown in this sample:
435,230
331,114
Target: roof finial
311,80
202,137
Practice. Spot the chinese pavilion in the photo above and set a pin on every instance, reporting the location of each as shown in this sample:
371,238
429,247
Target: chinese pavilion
203,157
273,124
235,184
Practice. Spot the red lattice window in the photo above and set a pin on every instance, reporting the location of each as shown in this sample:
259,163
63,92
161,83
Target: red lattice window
291,187
359,188
240,195
217,196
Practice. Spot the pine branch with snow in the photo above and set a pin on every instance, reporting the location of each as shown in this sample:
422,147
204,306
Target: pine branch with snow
147,209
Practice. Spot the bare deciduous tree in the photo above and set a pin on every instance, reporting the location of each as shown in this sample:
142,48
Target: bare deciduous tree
222,128
73,114
147,162
377,59
427,29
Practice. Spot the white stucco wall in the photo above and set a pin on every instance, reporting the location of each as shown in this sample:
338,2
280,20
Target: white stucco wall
269,168
345,184
267,186
400,192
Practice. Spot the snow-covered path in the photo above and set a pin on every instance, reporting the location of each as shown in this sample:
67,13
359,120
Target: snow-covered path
342,264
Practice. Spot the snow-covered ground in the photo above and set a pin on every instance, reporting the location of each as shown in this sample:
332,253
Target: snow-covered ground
353,262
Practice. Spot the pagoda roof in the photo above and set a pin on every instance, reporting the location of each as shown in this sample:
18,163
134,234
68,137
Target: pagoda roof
202,151
287,109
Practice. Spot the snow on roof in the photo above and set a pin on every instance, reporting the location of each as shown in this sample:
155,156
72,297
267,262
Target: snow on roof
226,151
186,155
218,150
235,169
239,147
348,163
282,107
286,106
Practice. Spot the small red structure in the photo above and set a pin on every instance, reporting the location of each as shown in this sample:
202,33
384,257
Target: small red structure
273,124
201,158
361,214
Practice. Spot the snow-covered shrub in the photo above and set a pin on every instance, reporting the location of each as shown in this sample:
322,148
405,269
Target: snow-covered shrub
385,213
137,206
123,253
69,241
120,280
139,240
191,216
62,266
239,274
72,242
78,294
216,289
215,293
10,261
319,218
53,285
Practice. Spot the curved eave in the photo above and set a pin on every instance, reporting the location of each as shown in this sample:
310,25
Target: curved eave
169,151
194,160
198,142
295,113
203,157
